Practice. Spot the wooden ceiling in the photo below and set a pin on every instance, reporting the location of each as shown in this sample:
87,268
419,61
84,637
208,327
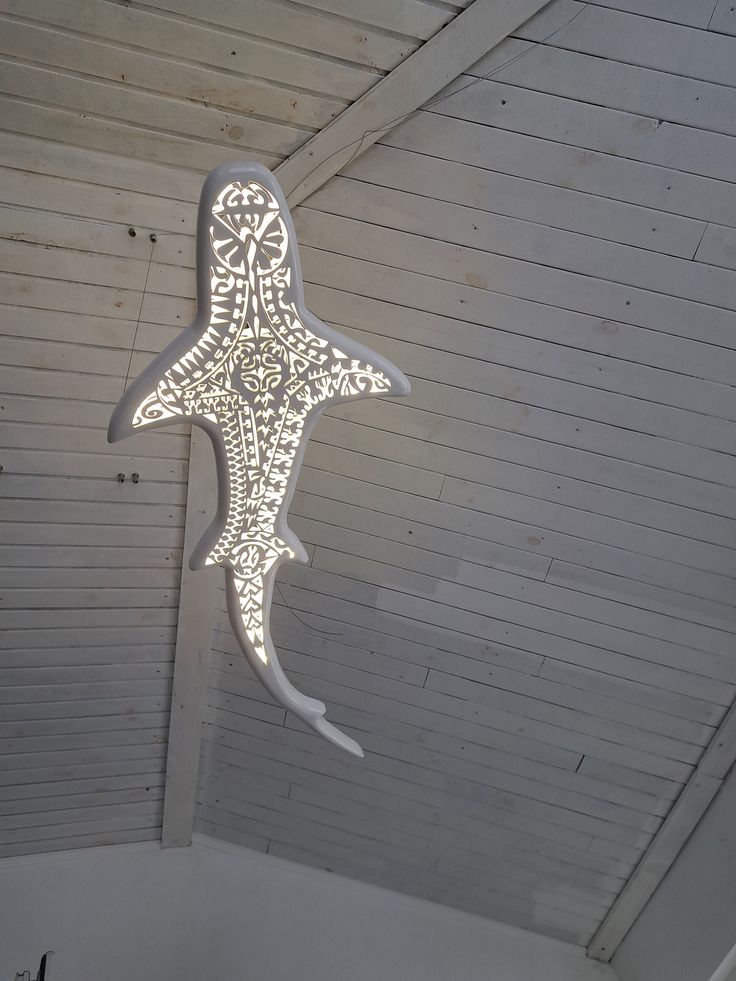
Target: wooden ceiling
520,591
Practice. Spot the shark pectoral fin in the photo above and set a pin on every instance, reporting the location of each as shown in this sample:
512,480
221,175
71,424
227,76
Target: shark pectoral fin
400,384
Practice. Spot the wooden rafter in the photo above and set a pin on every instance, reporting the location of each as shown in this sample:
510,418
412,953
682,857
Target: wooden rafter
691,805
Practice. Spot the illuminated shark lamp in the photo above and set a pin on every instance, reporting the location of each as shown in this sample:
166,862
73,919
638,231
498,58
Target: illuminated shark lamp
253,369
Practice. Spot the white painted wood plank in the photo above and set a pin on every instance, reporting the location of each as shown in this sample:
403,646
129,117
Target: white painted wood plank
503,741
440,60
82,771
430,819
69,488
50,534
121,137
487,626
78,227
633,40
81,164
518,863
597,728
55,674
480,425
723,19
530,790
440,635
525,336
86,463
49,561
334,549
485,525
636,134
503,717
604,82
207,44
290,635
24,808
14,796
692,12
332,856
529,280
424,788
143,70
193,641
117,661
595,583
405,796
528,240
494,673
396,846
415,19
88,840
88,821
525,199
451,544
533,483
592,681
688,810
487,468
443,753
658,184
492,501
97,98
317,32
381,634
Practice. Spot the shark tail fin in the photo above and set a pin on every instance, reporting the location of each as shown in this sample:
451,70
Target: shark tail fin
248,601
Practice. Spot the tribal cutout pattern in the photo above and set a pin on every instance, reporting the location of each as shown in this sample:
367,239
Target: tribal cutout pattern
255,370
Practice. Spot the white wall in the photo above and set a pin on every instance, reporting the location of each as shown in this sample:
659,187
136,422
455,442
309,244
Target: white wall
216,912
689,925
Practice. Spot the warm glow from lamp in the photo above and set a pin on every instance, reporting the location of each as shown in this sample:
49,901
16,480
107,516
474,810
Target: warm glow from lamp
254,369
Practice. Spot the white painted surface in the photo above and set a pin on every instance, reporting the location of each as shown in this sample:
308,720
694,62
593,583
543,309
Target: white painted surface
688,927
200,913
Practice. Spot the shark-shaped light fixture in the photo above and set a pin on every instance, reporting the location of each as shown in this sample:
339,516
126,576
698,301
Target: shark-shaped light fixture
254,369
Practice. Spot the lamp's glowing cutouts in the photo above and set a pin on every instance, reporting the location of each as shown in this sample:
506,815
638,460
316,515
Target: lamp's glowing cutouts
253,369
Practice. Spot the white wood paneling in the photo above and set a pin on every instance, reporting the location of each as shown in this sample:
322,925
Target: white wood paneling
111,114
520,593
520,597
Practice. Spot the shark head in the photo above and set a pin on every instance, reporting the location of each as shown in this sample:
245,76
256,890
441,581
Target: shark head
249,233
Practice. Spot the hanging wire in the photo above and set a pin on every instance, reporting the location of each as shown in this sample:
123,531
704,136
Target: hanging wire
140,314
290,608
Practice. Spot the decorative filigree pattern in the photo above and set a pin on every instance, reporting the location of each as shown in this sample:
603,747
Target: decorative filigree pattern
254,371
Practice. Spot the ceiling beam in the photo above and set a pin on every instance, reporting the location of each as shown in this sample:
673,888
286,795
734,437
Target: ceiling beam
704,783
465,40
197,595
